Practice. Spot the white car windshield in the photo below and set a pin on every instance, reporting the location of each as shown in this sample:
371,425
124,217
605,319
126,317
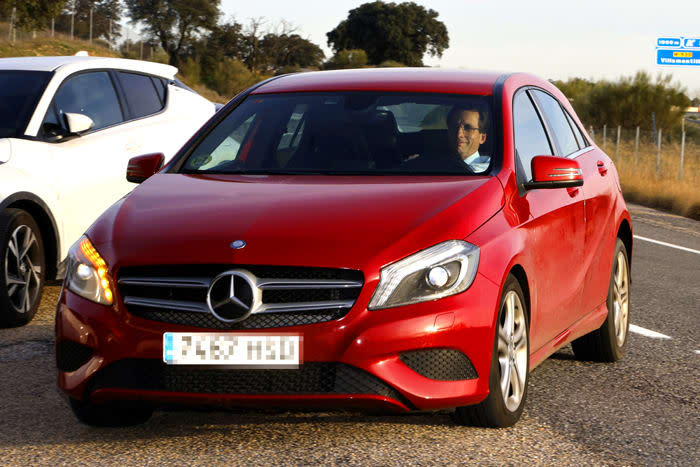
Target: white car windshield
19,93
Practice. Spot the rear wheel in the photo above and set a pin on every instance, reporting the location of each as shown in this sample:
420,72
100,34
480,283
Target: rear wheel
608,343
509,366
114,414
22,262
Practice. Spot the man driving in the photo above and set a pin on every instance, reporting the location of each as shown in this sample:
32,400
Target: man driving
466,131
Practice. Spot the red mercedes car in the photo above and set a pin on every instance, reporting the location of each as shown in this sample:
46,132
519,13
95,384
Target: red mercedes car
393,239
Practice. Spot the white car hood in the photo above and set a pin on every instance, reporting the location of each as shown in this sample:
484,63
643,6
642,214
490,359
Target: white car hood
5,150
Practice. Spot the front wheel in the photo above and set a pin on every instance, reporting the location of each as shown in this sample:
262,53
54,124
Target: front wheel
111,414
608,343
510,365
22,267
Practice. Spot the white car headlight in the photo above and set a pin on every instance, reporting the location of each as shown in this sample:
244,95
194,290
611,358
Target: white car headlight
87,273
445,269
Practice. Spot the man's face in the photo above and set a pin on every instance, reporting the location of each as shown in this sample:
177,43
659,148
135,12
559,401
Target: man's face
464,133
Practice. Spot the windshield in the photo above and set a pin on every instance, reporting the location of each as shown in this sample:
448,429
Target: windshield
350,133
19,93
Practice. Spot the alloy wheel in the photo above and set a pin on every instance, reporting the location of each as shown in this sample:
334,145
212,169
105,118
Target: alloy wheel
512,350
620,298
22,269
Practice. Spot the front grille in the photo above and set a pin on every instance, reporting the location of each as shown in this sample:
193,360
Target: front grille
310,378
71,355
440,364
292,296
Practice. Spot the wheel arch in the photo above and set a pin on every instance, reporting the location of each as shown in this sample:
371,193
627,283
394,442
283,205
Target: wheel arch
518,272
624,233
41,213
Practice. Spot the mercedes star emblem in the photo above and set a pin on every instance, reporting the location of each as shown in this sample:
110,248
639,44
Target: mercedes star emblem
233,296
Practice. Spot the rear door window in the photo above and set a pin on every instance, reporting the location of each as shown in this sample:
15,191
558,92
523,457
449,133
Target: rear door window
141,94
580,139
91,94
530,137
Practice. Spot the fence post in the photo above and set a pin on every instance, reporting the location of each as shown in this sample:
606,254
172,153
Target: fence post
72,21
617,145
53,24
605,135
658,156
680,176
91,25
636,145
12,23
141,50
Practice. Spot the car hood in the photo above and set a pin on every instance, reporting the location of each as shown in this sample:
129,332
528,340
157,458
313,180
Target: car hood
326,221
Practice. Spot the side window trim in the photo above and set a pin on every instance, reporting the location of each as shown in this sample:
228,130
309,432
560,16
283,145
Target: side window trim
121,96
554,143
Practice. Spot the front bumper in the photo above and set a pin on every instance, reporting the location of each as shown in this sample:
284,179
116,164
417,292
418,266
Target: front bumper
367,359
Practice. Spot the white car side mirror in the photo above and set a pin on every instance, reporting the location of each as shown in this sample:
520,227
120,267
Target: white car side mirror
78,123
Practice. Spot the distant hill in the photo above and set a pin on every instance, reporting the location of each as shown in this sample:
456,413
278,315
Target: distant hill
46,46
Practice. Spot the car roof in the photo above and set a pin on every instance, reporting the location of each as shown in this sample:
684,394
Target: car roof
72,64
430,80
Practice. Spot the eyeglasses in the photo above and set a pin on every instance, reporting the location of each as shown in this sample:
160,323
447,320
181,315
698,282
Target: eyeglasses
468,128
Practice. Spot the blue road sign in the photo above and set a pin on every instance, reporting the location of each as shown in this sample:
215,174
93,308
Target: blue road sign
677,57
668,42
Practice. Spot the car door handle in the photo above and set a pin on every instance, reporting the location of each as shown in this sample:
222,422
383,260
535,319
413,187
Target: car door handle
601,168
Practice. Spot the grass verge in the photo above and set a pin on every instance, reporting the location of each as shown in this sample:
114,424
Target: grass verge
642,184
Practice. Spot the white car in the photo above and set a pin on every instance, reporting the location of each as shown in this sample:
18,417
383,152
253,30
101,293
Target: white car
68,127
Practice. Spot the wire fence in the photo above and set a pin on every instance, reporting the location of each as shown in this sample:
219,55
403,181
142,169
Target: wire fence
96,29
671,155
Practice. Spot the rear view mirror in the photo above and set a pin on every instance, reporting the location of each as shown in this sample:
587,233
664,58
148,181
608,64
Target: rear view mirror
142,167
554,172
78,123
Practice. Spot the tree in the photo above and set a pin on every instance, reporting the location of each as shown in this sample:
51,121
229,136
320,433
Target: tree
175,24
628,102
31,14
401,32
102,12
289,52
355,58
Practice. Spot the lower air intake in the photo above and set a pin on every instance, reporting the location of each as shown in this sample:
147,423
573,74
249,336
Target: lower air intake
310,378
440,364
71,355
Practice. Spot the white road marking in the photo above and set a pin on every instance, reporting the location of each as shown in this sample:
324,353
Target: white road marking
648,332
670,245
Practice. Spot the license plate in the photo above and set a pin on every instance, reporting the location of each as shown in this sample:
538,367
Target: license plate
234,350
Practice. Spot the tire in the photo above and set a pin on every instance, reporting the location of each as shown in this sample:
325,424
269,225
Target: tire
22,267
609,342
110,415
513,356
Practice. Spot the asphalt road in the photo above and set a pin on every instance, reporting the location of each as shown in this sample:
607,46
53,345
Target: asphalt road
642,410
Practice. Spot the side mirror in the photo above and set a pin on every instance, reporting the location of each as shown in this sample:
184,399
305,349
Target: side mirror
142,167
78,123
554,172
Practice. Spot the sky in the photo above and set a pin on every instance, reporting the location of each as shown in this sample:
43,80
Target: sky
592,39
553,39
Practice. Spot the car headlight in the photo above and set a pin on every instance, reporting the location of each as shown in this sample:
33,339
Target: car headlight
445,269
87,273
